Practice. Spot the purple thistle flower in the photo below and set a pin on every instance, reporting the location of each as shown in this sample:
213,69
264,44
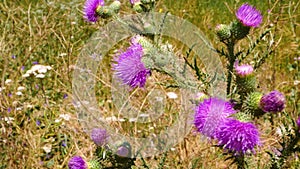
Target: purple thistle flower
90,8
130,68
249,15
77,162
35,62
242,70
298,122
99,136
210,114
13,57
272,102
239,137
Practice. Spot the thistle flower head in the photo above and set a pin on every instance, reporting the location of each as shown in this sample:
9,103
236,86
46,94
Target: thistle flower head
77,162
238,137
90,9
249,15
115,6
272,102
210,114
298,122
99,136
130,68
242,70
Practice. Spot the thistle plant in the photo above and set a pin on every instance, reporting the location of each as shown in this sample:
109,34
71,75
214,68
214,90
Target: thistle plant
231,123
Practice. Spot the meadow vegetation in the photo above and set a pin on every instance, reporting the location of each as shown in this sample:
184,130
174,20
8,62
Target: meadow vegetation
38,122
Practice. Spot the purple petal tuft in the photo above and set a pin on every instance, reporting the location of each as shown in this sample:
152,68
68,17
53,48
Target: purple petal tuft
210,114
239,137
249,15
129,68
90,8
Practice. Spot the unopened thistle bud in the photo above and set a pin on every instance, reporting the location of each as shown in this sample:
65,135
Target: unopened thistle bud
104,11
138,7
243,116
223,31
253,104
93,164
273,102
115,6
245,80
238,30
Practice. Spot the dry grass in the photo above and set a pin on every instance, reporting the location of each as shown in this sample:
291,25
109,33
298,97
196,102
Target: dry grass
54,32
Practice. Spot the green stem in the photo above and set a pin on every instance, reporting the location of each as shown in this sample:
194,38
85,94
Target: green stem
230,48
241,163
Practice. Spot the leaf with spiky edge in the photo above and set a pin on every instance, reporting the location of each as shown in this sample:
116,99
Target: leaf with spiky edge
253,45
222,53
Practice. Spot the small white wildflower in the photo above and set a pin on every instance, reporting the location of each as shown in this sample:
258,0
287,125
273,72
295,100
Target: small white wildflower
47,148
42,70
49,67
132,119
8,120
57,120
35,68
29,106
26,75
296,82
172,95
73,23
63,54
111,119
172,149
19,108
65,117
1,89
121,120
21,88
41,76
7,81
19,93
15,103
144,115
